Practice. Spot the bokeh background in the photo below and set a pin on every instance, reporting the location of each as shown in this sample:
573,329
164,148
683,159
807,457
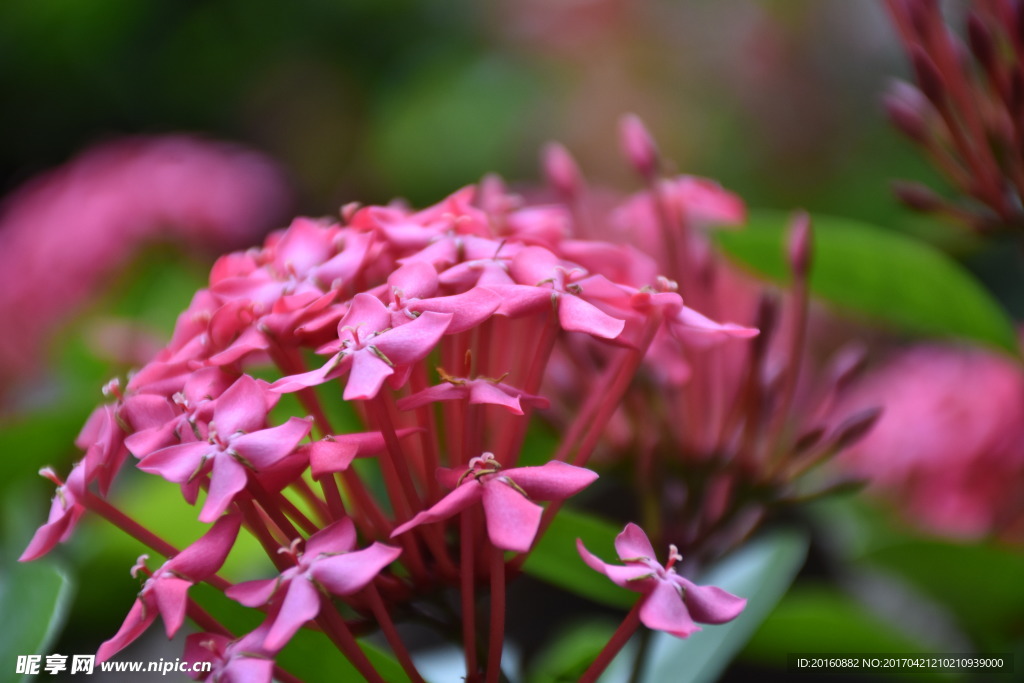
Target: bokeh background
368,100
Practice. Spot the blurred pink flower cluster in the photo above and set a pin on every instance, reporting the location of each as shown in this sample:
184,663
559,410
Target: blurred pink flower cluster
949,448
68,231
419,342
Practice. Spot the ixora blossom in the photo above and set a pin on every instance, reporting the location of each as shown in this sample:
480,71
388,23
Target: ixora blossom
948,451
507,497
671,603
164,592
330,394
328,564
115,198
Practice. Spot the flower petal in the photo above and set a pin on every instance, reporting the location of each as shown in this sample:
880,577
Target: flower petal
348,573
633,543
267,446
140,616
452,504
301,603
228,478
512,519
411,342
367,376
468,309
663,610
242,408
170,593
552,481
253,593
205,557
339,537
631,576
577,315
177,463
709,604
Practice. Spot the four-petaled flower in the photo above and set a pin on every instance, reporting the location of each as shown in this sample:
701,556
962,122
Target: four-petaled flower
507,495
370,348
671,603
236,442
165,591
328,564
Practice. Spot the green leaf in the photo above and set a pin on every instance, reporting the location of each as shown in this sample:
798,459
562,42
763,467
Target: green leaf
819,618
569,654
34,597
879,274
761,572
556,560
981,584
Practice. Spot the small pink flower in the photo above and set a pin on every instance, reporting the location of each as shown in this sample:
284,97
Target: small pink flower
507,496
65,511
480,390
236,440
370,349
329,563
165,592
243,660
671,602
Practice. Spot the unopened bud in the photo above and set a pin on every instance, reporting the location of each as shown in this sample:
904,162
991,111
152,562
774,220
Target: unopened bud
929,78
917,196
638,145
848,362
854,428
979,37
907,108
801,243
561,170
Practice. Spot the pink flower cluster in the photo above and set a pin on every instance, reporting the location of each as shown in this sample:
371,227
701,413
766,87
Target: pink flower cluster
949,449
723,419
67,231
418,342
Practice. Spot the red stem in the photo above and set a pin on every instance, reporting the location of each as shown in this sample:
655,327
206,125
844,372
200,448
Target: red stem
497,631
380,612
621,636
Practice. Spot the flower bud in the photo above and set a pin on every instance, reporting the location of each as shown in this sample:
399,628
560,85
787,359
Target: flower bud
638,145
561,170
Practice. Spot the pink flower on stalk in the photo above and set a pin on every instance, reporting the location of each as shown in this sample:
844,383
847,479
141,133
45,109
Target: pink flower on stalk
507,496
65,511
370,349
236,440
671,603
65,232
544,278
329,563
243,660
165,591
948,449
479,390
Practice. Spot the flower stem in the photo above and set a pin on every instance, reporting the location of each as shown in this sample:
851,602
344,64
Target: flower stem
621,636
380,612
468,595
497,631
128,525
338,631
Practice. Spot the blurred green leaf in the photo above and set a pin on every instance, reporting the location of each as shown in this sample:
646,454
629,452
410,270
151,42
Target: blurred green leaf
761,572
983,585
879,274
34,597
556,560
818,618
571,652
